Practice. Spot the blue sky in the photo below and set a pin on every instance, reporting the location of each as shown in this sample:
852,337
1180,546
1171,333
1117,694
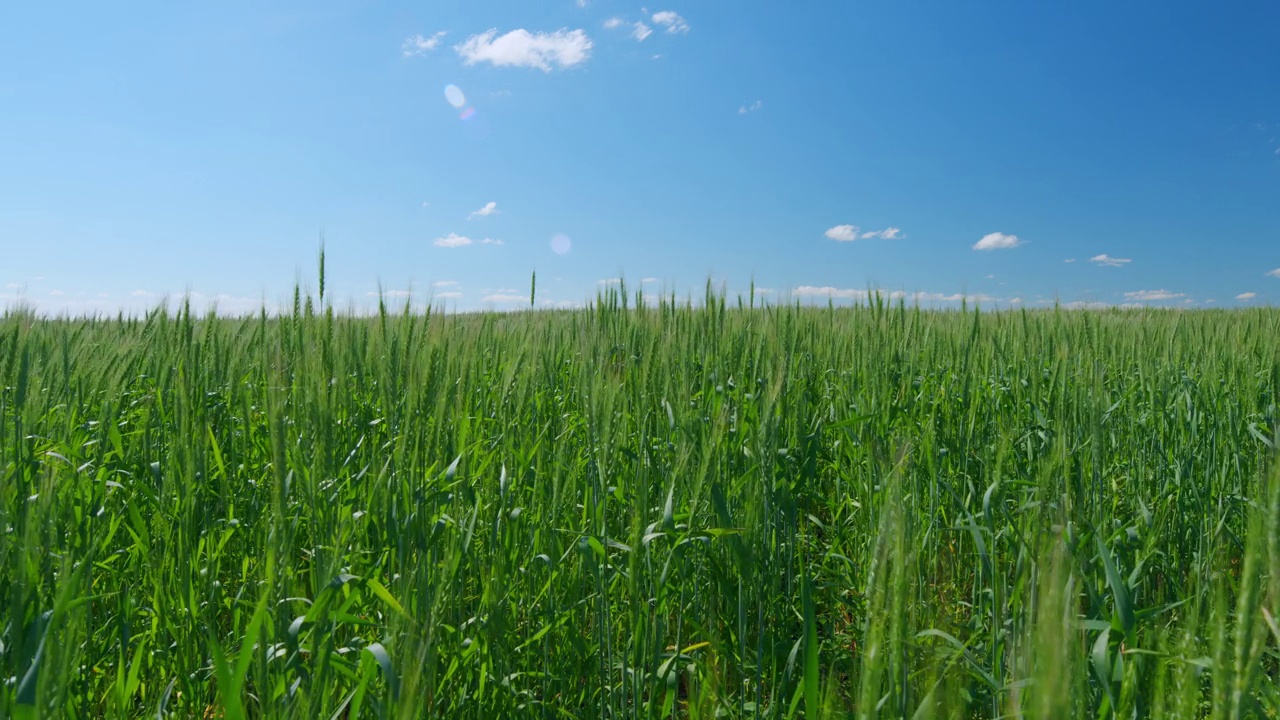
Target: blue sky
1104,152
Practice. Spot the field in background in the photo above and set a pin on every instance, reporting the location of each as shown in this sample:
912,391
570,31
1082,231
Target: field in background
711,512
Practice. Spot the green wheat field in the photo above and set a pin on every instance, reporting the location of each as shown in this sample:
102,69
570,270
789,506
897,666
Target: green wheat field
708,509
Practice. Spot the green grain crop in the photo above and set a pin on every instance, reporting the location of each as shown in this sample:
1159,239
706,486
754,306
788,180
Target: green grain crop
641,510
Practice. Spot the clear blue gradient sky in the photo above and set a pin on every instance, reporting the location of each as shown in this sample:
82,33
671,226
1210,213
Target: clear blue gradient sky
1104,152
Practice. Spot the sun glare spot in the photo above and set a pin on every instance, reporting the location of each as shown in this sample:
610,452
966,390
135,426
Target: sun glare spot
454,95
561,244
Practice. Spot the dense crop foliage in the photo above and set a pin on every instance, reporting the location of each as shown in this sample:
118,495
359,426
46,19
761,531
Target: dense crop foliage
641,512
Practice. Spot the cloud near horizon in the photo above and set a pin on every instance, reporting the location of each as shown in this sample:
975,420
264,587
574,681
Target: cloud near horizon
997,241
1106,260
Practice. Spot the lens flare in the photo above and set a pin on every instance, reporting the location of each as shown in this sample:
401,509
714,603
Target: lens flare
468,113
561,244
454,95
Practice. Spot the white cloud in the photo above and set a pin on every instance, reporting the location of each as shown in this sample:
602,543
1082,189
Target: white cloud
650,280
843,233
490,241
448,295
1107,261
521,48
389,293
490,208
857,294
582,3
892,233
1084,305
672,21
1246,297
640,31
1152,295
452,240
1069,260
503,298
418,45
751,108
609,281
997,241
1274,273
613,22
1015,301
12,286
445,283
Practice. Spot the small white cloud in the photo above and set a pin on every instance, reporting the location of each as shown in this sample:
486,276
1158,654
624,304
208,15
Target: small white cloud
445,283
651,280
997,241
392,293
675,24
751,108
609,281
640,31
504,298
453,294
490,241
1085,305
520,48
452,240
1246,297
1152,295
991,277
1106,260
1274,273
612,23
1015,301
1069,260
490,208
892,233
418,45
12,286
582,3
843,233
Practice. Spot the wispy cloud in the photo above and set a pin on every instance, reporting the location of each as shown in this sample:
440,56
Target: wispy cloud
490,208
997,241
613,22
389,293
1069,260
843,233
56,293
452,240
651,280
1107,261
857,294
445,283
1152,295
640,31
142,293
1246,297
490,241
451,295
419,45
750,108
504,298
1274,273
674,24
892,233
520,48
609,281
